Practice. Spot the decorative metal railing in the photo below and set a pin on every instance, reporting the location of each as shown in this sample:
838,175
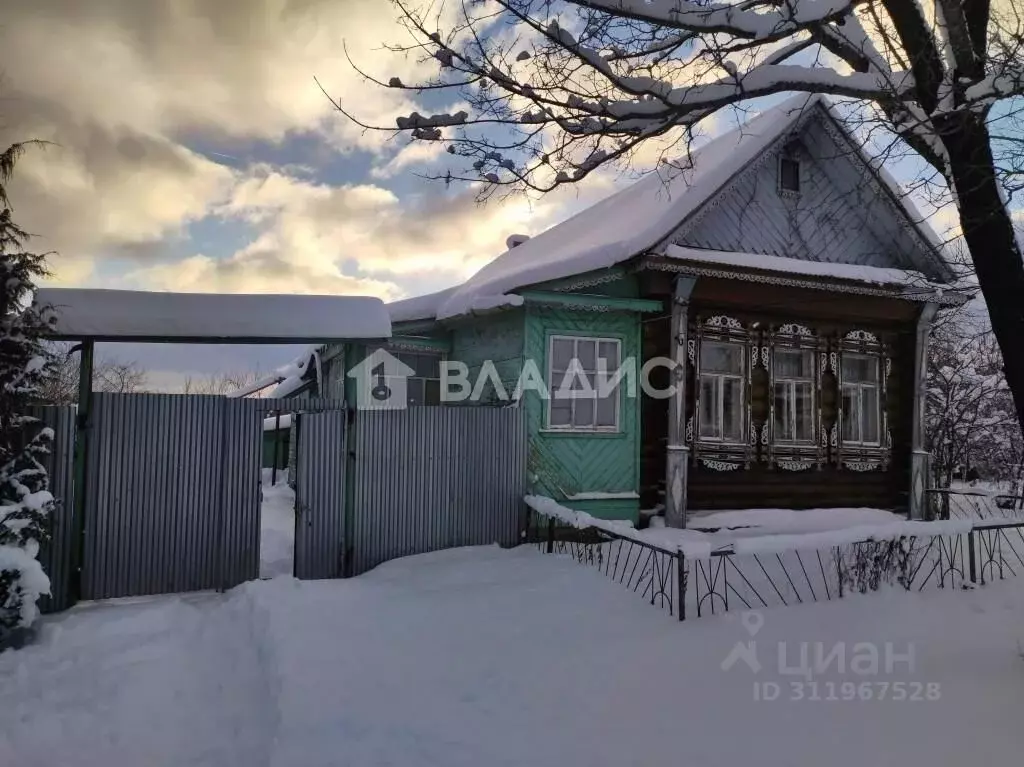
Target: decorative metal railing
976,553
967,504
644,568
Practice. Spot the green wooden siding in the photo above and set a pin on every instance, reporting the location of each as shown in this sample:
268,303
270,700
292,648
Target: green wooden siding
497,338
563,464
281,437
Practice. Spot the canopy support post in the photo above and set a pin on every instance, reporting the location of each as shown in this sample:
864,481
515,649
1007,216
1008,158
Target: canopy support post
82,426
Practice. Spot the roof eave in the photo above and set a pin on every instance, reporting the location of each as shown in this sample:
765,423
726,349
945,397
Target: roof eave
812,282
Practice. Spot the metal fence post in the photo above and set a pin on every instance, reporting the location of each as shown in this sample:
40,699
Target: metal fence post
970,557
838,554
80,481
223,411
277,445
681,583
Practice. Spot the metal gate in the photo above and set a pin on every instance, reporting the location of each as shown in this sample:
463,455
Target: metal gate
172,494
320,495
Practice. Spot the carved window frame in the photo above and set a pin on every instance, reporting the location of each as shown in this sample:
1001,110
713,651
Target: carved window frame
858,456
796,456
716,455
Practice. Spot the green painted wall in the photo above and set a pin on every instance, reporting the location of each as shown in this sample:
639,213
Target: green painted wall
281,437
564,464
498,338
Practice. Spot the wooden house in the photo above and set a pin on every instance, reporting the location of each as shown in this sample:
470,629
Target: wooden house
785,276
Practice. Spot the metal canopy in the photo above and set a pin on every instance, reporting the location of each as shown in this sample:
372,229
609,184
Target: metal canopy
207,318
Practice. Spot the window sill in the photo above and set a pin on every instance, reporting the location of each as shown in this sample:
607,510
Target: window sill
609,434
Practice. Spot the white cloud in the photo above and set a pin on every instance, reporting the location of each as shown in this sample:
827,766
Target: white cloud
413,153
124,83
317,238
243,67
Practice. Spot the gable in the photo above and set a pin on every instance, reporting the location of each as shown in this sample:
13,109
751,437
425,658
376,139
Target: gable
841,215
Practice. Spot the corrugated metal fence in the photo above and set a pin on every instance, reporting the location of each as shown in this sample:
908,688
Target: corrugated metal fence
172,501
172,497
173,492
431,478
320,495
57,554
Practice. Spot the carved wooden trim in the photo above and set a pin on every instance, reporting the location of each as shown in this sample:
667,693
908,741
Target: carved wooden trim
723,321
589,282
795,465
724,329
862,466
797,337
720,465
945,299
856,457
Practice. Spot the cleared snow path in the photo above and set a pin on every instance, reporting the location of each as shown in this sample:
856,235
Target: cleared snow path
277,526
487,657
168,681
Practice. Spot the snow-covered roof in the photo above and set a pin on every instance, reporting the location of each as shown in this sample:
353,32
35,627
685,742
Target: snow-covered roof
638,218
288,377
297,373
289,386
875,275
284,421
418,307
123,315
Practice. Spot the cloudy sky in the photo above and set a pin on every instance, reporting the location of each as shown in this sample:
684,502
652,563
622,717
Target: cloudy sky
193,151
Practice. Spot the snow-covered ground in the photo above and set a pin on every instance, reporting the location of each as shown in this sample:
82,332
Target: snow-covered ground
482,656
277,526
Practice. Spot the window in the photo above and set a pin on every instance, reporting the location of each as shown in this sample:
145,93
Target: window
573,382
423,385
789,175
860,399
794,396
721,391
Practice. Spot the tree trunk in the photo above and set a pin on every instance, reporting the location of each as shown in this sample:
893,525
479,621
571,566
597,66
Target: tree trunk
988,230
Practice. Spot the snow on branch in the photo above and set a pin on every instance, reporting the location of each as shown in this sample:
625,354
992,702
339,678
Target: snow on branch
782,20
553,97
999,85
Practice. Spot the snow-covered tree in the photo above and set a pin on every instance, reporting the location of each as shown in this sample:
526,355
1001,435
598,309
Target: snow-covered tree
25,502
970,421
551,90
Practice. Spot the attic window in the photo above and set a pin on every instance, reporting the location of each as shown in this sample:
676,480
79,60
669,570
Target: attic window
789,175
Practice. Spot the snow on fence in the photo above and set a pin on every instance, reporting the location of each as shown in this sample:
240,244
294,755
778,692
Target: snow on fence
668,567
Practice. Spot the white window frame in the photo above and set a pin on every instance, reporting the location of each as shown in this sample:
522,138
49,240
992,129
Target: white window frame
392,381
790,382
719,384
552,385
860,387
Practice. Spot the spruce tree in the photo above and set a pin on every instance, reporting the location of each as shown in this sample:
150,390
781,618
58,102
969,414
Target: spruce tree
25,501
